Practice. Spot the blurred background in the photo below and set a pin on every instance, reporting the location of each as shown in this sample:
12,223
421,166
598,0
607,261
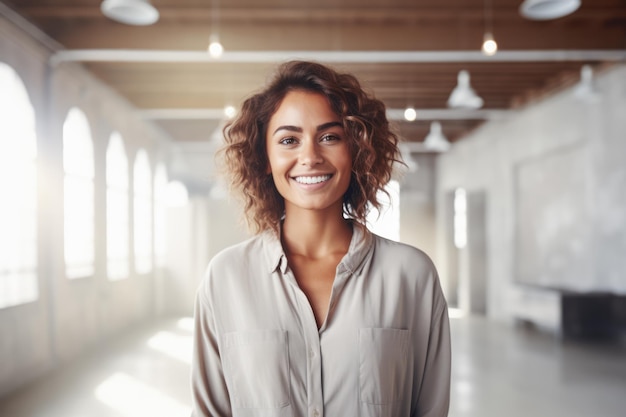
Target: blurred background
512,120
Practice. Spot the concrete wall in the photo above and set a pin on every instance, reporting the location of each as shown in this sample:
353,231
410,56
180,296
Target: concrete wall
70,316
554,179
417,204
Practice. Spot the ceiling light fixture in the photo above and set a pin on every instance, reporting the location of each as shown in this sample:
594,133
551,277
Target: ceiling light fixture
548,9
230,111
215,48
490,47
410,114
130,12
585,89
435,140
463,95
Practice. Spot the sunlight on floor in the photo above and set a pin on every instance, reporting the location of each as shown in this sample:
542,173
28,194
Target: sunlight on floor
185,323
455,313
131,398
173,345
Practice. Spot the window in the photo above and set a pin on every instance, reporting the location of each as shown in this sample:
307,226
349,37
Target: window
460,218
160,214
78,195
117,209
142,181
386,223
18,190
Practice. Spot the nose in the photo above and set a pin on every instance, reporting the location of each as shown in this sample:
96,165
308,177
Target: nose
310,154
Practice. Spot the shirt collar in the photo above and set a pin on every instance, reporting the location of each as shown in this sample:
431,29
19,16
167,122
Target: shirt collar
273,251
360,246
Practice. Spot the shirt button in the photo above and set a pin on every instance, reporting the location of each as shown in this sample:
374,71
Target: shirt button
311,355
316,413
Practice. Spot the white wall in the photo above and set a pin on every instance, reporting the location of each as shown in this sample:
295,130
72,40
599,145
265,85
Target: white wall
196,233
417,204
590,233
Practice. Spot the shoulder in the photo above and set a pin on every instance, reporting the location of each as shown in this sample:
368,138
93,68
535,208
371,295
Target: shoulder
390,252
412,271
236,255
234,264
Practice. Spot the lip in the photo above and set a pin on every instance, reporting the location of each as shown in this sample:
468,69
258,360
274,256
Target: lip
313,184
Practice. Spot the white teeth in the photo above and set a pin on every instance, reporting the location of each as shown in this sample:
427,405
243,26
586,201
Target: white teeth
312,180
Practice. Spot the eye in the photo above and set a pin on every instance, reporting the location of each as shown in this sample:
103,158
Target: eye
329,138
288,141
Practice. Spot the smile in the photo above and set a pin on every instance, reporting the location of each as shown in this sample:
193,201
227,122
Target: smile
312,180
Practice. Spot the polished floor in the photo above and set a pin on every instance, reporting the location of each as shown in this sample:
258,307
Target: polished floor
498,370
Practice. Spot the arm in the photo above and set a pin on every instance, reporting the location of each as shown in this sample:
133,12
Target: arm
434,395
209,392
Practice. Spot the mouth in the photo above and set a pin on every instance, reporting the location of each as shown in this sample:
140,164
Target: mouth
315,179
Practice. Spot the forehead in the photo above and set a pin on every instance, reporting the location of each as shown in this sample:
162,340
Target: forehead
305,106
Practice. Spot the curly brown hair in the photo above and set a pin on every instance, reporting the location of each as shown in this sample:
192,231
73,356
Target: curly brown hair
373,145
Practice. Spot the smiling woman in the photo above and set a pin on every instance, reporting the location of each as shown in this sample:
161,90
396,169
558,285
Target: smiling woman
330,318
309,160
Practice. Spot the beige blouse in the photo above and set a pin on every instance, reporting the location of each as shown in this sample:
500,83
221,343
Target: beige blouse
383,350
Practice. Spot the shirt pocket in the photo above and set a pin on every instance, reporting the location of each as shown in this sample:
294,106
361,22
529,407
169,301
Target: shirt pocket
257,365
383,354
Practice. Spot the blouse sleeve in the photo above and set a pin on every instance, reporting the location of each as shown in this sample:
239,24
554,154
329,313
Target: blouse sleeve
434,396
209,393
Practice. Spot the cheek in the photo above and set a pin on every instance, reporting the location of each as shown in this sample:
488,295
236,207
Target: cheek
277,163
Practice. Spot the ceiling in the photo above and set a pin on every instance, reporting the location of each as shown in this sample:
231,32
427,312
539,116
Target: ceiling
407,52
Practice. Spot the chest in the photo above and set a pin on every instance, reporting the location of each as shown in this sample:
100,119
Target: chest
315,278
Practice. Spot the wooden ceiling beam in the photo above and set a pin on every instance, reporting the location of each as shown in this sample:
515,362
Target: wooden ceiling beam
331,37
326,14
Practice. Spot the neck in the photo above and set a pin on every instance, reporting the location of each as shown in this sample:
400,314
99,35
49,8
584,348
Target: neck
315,234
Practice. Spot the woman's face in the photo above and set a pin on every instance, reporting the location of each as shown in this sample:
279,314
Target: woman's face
308,152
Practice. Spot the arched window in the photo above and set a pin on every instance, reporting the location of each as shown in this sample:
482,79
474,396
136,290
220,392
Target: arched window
18,191
118,231
142,182
160,214
460,218
78,195
386,223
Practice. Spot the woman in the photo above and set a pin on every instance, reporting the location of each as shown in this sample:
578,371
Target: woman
316,316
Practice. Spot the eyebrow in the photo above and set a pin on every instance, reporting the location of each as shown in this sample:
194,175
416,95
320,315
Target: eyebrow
298,129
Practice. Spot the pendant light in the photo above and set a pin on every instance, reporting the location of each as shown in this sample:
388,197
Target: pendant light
130,12
585,89
435,140
215,48
548,9
463,95
410,114
490,47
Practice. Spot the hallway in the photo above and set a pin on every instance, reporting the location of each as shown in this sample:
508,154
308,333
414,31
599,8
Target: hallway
498,370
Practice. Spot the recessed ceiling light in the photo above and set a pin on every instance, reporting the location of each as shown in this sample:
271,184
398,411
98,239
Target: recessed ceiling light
130,12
